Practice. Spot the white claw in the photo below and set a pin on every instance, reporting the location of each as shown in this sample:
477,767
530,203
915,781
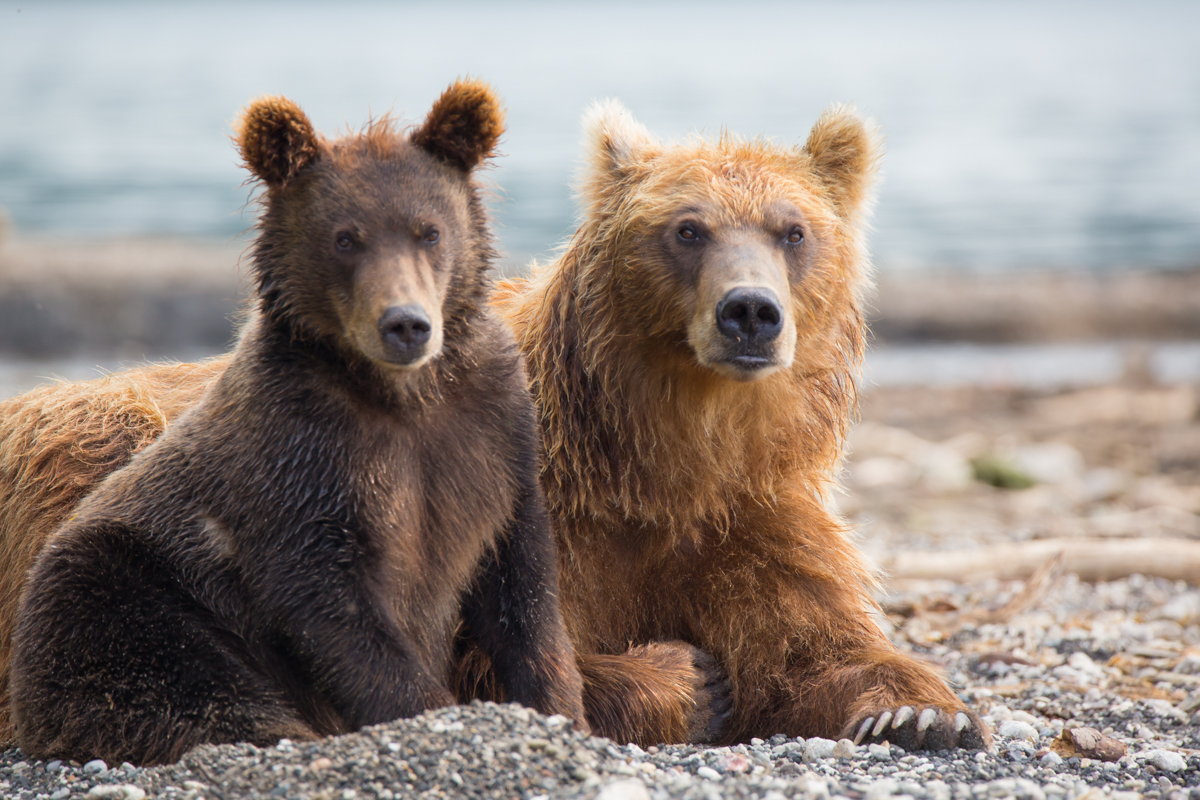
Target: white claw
961,721
882,724
902,716
862,729
927,718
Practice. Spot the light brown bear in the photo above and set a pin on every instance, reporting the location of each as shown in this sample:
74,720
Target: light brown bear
693,355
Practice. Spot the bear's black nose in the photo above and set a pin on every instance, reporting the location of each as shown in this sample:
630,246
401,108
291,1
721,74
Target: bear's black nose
405,331
752,314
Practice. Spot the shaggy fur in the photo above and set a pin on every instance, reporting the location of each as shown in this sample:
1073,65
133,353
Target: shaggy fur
57,443
296,554
689,504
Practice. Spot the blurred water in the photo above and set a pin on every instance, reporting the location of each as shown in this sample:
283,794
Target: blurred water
1020,134
1040,367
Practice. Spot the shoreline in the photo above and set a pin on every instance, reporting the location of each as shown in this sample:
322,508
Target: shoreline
157,296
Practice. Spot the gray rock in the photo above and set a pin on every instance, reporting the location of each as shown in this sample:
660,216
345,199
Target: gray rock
1166,760
879,752
817,748
95,767
1015,729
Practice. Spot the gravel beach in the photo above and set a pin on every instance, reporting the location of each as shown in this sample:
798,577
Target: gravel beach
1093,688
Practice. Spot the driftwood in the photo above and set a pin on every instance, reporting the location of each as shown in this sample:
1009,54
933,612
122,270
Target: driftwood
1090,559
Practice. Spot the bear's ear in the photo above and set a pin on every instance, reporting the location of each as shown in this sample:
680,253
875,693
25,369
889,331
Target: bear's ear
615,140
843,151
463,126
276,139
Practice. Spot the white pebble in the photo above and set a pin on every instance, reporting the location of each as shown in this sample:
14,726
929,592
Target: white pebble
53,766
1051,759
816,748
628,789
1014,729
879,752
95,766
1167,760
124,791
708,773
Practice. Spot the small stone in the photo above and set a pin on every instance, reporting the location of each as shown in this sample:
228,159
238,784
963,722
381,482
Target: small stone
734,763
1166,760
394,747
845,749
879,752
817,748
124,791
53,766
320,764
628,789
708,773
884,787
1051,759
1015,729
95,767
61,794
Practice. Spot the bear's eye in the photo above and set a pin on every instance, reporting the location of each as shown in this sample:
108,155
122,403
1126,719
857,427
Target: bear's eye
431,236
795,236
688,232
344,242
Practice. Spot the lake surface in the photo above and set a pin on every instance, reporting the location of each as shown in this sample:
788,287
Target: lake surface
1039,367
1020,135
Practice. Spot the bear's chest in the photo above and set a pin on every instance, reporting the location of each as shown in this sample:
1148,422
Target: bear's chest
433,497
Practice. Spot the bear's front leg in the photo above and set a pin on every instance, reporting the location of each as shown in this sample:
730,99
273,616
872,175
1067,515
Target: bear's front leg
513,615
337,628
788,617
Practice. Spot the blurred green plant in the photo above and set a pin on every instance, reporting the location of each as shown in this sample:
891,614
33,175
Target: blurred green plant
995,471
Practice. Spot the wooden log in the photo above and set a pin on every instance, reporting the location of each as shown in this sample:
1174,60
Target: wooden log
1090,559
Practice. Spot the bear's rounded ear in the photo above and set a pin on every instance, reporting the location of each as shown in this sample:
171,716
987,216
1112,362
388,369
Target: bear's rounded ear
843,150
615,140
276,140
463,126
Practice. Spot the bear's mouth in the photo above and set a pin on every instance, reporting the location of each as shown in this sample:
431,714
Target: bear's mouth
746,367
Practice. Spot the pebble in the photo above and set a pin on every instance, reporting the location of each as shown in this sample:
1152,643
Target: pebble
122,791
1166,760
708,773
96,766
879,752
630,789
1016,729
817,748
844,749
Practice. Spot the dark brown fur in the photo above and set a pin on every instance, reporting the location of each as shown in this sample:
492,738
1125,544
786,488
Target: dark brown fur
296,554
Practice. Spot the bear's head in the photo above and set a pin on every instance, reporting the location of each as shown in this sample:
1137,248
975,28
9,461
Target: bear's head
375,242
745,253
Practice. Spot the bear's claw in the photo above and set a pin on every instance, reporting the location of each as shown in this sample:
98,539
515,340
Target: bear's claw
931,729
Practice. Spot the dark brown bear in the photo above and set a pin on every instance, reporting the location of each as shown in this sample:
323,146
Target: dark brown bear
293,557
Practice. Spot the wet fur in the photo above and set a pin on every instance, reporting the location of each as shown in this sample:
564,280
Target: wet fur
297,553
691,507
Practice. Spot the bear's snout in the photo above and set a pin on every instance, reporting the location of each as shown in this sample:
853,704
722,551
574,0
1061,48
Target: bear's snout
405,331
751,314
